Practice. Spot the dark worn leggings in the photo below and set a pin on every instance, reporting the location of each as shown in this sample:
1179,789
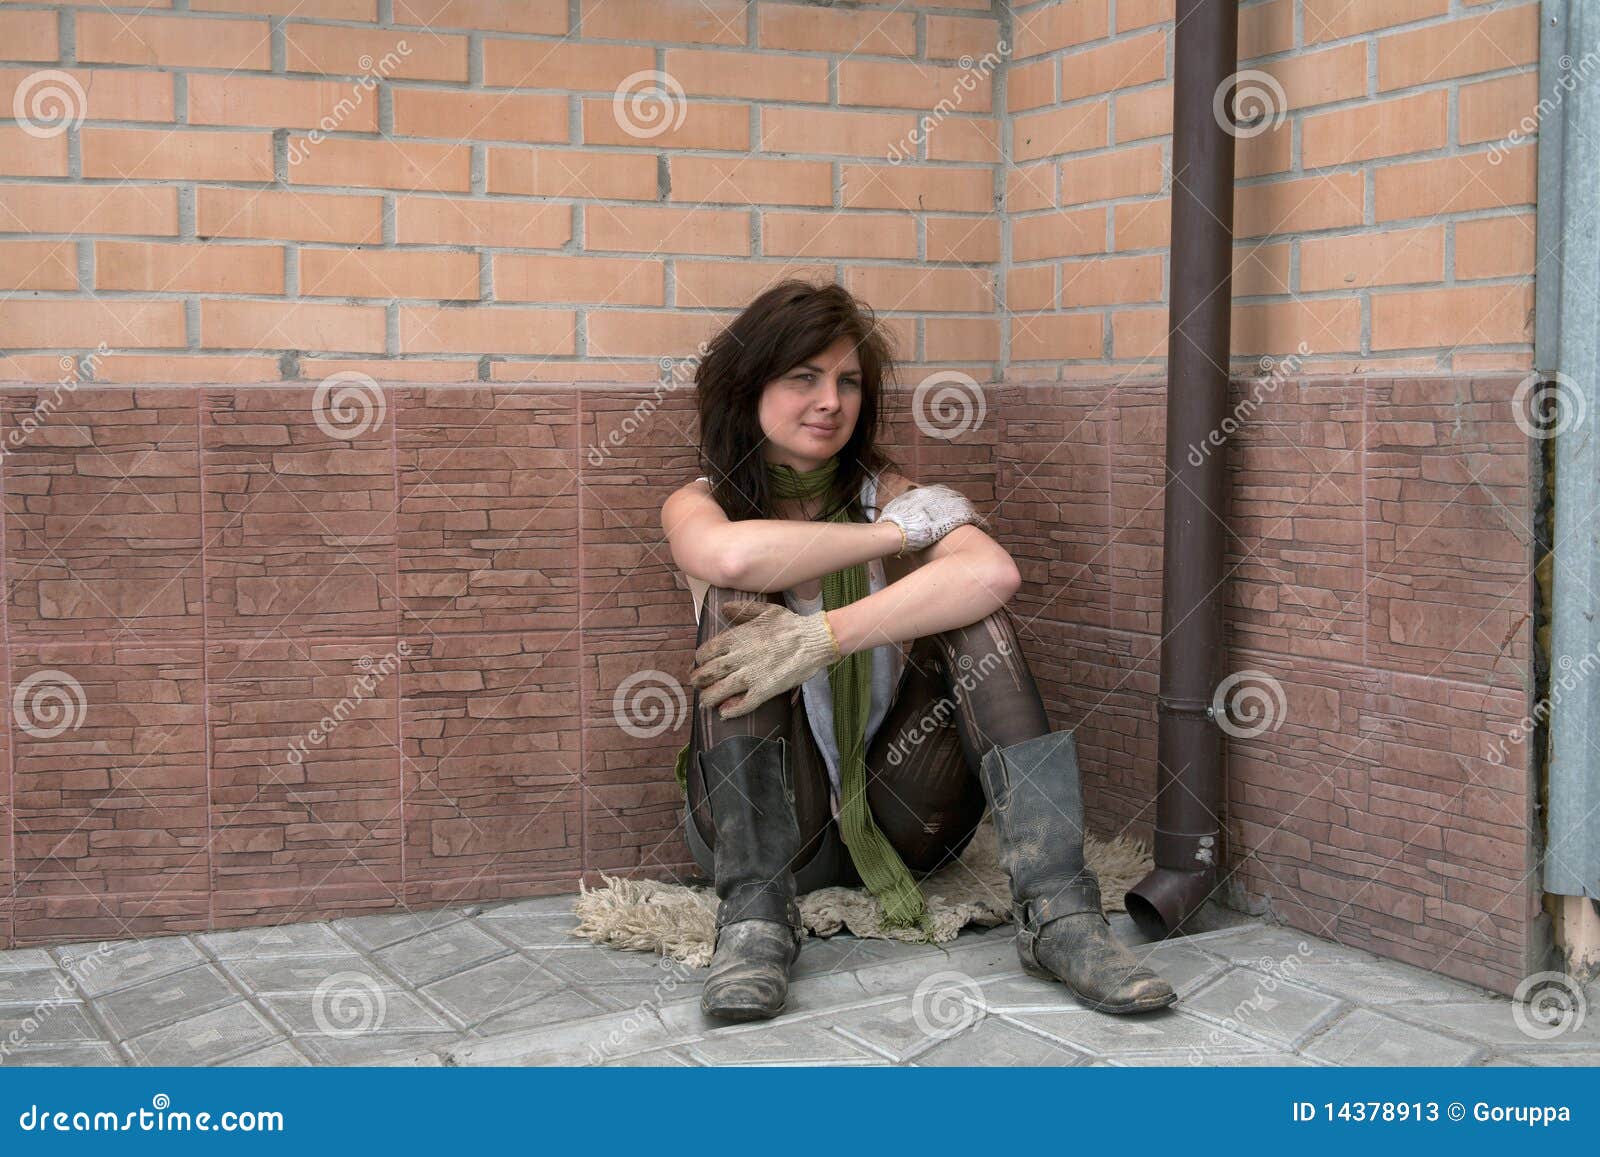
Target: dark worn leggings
961,692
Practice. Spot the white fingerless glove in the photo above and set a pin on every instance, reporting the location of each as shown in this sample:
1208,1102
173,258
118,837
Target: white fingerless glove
928,513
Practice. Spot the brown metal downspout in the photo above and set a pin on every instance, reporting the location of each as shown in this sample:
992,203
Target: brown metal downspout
1189,742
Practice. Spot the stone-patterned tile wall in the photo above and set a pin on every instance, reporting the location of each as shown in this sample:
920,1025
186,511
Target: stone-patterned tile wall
273,661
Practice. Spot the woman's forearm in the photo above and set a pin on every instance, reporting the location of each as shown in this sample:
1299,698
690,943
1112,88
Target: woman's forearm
947,592
774,554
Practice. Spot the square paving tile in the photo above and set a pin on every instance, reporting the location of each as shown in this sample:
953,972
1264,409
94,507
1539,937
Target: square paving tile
391,927
353,1009
592,964
439,953
280,940
1369,1038
205,1039
1167,1030
304,973
53,1024
376,1047
32,985
1495,1022
278,1055
795,1043
992,1043
903,1028
1263,1006
487,990
178,996
536,930
111,964
86,1053
563,1005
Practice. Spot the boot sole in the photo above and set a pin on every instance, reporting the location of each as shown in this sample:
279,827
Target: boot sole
1147,1005
741,1012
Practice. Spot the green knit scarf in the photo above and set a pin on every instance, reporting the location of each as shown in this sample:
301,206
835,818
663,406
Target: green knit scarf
850,680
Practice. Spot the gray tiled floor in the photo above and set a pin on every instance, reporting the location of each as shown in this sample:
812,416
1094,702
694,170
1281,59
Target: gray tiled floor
509,985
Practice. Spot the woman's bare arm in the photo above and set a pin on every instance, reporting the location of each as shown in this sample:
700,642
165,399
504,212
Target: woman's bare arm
963,577
764,554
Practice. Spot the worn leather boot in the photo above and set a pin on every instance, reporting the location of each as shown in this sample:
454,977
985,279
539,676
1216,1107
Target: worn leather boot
750,789
1062,933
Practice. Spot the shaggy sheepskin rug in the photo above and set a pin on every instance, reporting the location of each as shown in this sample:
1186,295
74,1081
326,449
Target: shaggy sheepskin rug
679,921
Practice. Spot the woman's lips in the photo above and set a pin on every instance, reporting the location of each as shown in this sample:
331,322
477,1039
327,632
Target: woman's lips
822,431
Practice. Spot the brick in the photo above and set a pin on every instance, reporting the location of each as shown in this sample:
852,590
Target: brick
1069,233
38,265
691,21
1486,43
750,181
88,209
537,17
383,164
326,9
1454,185
110,94
24,154
173,41
1265,153
1313,78
1499,109
965,139
1106,176
1266,28
461,221
1030,287
1050,27
478,116
733,285
176,154
1123,63
922,187
1486,315
647,231
862,134
893,84
331,50
1035,337
653,335
675,125
293,325
197,369
1142,225
1495,247
1061,130
1141,13
26,324
288,216
203,268
1336,19
611,280
797,28
1389,257
961,339
544,332
29,36
951,37
963,239
388,274
749,75
260,100
1146,113
1297,206
570,67
923,289
1414,124
573,173
1110,281
1139,333
1279,328
1260,270
1030,187
1031,85
839,235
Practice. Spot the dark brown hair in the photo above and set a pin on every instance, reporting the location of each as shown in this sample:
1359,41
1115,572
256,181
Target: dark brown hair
792,321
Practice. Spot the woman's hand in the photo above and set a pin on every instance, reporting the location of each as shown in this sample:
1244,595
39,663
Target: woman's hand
770,651
928,513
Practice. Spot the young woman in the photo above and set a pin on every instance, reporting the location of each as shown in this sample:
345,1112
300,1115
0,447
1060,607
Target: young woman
821,752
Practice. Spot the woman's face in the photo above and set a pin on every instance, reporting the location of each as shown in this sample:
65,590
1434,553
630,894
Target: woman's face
809,413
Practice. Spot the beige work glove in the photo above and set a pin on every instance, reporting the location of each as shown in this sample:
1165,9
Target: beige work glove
770,651
927,514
